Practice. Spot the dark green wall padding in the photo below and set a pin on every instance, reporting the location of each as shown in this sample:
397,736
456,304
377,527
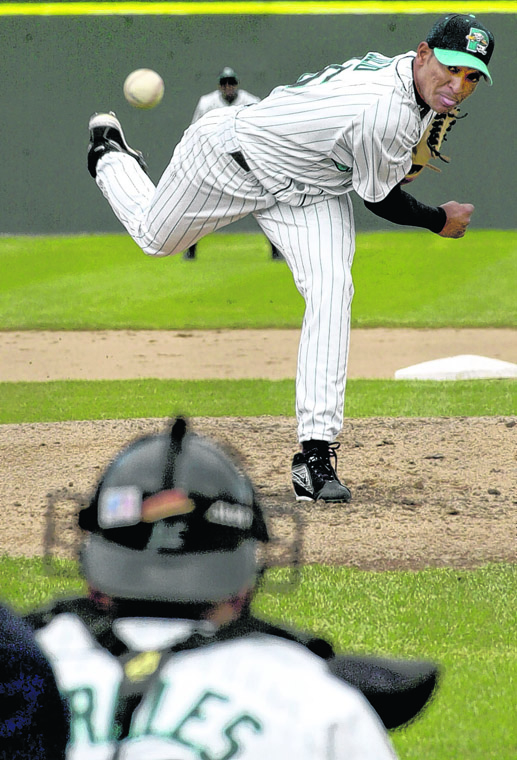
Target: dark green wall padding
56,71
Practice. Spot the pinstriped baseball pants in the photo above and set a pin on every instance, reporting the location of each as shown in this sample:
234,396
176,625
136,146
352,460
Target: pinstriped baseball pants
202,190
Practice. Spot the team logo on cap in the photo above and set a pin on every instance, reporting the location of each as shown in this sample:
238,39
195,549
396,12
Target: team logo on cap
477,41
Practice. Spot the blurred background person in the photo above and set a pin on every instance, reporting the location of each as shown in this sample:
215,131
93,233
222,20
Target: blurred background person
228,93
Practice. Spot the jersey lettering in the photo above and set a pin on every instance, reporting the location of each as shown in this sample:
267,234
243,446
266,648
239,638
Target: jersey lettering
196,713
325,75
82,703
373,62
227,731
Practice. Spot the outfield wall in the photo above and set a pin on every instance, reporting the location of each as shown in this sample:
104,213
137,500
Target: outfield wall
57,70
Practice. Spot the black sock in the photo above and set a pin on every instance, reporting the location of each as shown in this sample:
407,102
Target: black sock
321,447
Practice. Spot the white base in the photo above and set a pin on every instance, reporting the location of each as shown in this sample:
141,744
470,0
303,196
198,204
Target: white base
463,367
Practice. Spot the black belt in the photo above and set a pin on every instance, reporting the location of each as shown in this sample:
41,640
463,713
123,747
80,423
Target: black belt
237,156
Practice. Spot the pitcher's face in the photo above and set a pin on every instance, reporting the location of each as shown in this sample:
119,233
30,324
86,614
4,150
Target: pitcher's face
442,87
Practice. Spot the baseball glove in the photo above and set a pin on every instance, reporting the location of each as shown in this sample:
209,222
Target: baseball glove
431,142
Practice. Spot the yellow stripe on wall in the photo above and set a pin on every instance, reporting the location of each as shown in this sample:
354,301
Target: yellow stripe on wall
249,7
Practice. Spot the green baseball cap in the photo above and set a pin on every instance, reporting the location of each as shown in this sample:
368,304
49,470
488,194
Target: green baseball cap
458,40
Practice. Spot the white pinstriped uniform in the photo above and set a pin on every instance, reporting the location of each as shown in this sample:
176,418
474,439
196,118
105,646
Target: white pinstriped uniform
350,127
252,698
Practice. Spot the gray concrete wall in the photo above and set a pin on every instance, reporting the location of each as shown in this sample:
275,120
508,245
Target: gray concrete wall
56,71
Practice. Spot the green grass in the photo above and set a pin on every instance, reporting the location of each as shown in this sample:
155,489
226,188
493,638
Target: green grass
126,399
464,620
106,282
408,279
28,583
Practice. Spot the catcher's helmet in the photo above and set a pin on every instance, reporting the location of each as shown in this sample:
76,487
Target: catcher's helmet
173,519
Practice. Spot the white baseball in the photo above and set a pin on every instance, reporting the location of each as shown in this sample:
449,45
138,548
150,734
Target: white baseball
144,88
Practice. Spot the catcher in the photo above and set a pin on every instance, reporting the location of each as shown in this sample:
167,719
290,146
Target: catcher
164,659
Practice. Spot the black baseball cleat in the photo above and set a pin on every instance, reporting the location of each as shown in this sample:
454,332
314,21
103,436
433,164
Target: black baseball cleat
315,478
106,135
190,253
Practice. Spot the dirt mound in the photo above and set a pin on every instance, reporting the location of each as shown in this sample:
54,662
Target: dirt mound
426,492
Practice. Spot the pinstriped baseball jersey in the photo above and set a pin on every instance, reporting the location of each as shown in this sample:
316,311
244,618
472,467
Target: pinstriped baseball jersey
215,100
251,698
351,126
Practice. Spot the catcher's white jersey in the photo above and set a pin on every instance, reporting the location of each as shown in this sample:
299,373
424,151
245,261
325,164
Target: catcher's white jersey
250,699
215,100
350,127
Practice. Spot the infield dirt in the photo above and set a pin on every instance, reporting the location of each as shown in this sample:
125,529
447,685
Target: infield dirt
426,492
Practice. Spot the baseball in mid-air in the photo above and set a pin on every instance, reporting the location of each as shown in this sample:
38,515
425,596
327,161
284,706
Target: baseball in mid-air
144,88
